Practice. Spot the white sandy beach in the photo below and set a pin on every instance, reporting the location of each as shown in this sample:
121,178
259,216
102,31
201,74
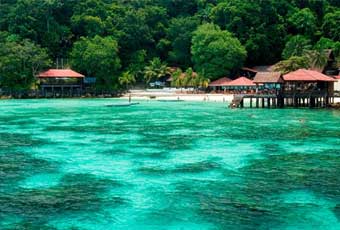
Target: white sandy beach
177,95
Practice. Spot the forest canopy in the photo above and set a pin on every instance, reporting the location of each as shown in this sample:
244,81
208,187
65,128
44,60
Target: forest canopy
108,39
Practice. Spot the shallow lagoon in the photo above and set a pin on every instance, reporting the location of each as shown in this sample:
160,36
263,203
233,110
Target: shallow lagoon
77,164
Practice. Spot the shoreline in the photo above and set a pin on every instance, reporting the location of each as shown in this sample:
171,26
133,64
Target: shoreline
158,96
173,96
181,97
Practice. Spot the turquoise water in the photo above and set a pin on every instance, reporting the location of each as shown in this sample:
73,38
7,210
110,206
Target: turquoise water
76,164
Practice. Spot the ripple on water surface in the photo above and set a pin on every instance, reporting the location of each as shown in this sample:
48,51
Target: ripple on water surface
77,164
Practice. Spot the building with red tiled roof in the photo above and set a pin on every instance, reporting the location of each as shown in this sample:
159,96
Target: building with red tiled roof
304,75
54,82
220,82
309,82
60,73
241,82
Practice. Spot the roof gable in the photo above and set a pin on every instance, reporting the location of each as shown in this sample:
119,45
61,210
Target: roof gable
241,81
306,75
268,77
60,73
220,82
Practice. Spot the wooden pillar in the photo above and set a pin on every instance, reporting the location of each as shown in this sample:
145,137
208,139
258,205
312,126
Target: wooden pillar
268,102
251,102
257,102
262,102
312,102
242,103
295,101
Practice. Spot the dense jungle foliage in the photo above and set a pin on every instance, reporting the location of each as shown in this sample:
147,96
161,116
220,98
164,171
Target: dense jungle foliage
127,41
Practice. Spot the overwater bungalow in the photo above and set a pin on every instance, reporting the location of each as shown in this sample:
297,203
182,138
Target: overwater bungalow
300,88
60,82
308,87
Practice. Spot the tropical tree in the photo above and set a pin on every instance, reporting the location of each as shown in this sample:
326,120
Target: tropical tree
259,25
202,81
317,58
216,52
155,70
326,43
20,61
97,57
179,35
189,77
136,64
303,21
177,79
291,64
35,20
126,78
331,25
296,46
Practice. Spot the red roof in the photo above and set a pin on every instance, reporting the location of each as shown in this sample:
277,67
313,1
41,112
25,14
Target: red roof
220,82
241,81
60,73
306,75
337,77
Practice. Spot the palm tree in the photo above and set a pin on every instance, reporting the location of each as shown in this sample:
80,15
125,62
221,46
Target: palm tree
204,82
317,58
188,77
155,70
201,81
177,80
292,64
126,79
149,74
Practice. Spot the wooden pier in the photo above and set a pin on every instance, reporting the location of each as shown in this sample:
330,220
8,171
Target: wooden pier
300,88
296,100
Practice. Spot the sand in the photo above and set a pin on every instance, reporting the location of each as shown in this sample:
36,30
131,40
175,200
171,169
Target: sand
173,95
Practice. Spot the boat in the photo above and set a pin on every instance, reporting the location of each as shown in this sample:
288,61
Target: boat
122,104
170,100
